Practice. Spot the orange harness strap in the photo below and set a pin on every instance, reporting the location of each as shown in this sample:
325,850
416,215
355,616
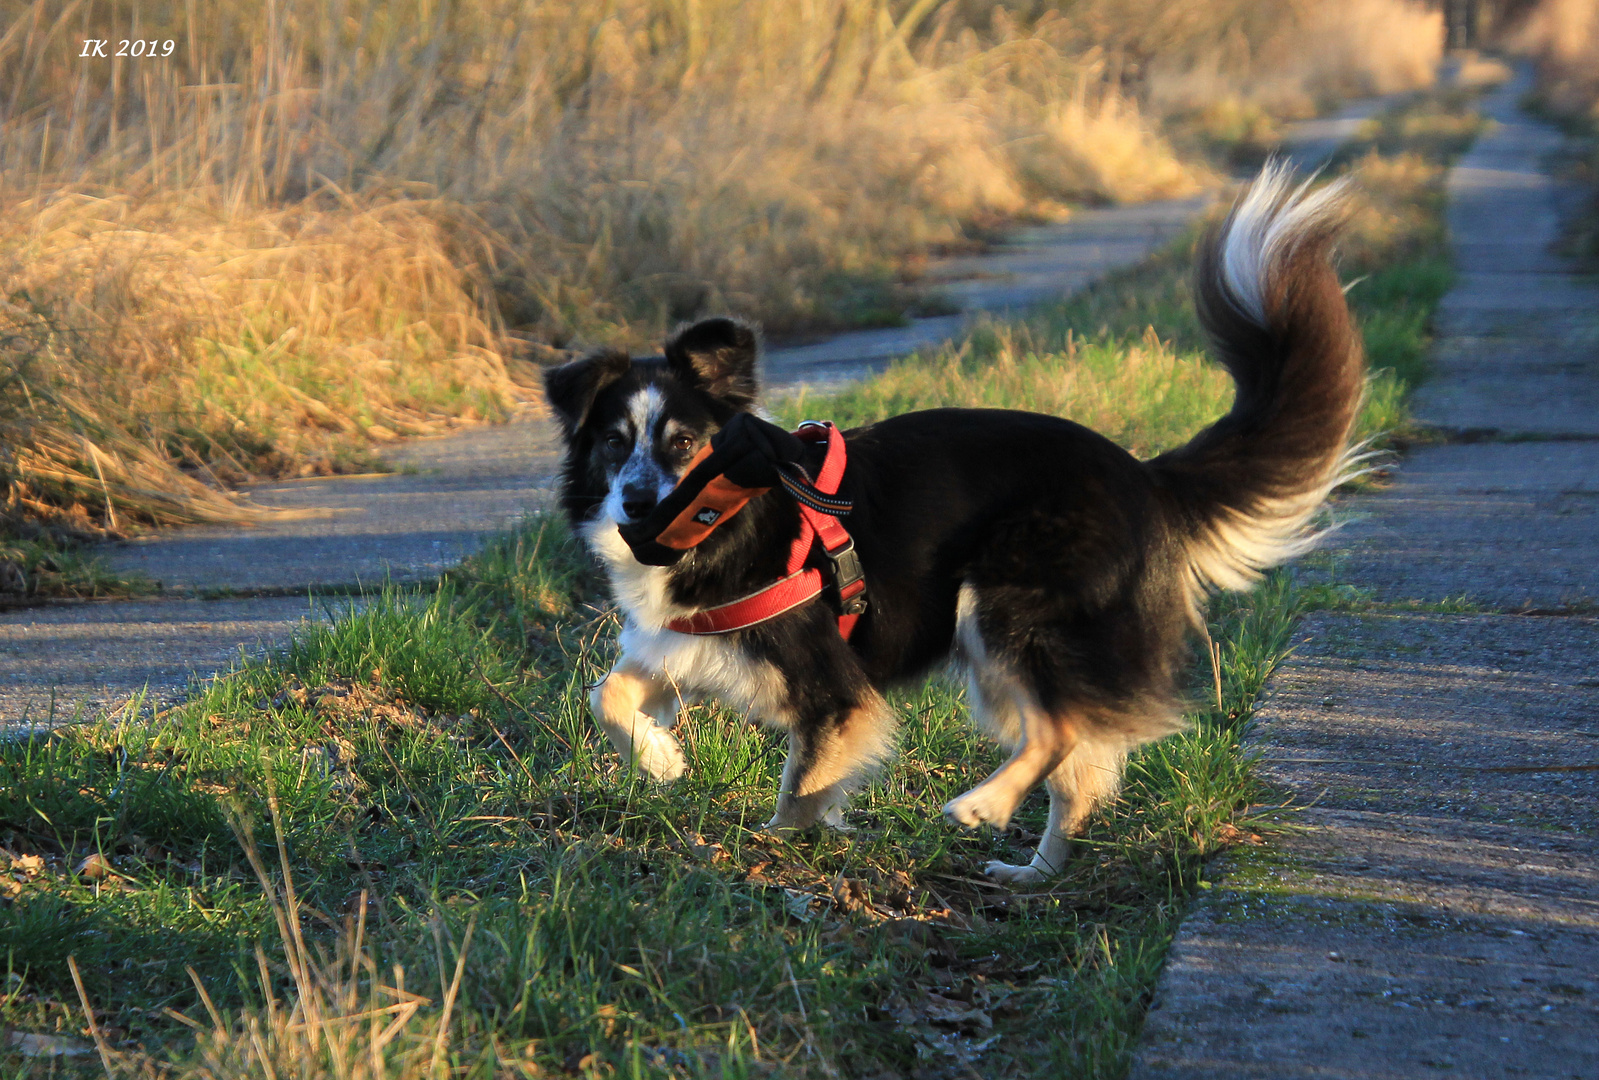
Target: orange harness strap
802,583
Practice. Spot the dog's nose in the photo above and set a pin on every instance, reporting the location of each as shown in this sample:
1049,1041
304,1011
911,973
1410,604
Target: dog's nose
637,501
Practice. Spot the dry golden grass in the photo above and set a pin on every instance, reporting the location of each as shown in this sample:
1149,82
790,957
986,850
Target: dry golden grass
1252,62
143,337
309,227
342,1017
1564,36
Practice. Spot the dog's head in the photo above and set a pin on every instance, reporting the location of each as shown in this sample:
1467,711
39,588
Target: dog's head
632,426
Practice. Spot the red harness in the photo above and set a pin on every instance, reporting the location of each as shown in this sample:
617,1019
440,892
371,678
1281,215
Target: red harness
801,583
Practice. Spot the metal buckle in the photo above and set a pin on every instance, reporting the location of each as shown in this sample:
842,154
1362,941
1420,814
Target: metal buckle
846,572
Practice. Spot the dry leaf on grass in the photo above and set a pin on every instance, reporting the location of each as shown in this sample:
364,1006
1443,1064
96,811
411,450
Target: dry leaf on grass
934,1008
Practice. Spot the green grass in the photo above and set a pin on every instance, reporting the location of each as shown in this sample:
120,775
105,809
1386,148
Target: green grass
37,565
434,750
407,811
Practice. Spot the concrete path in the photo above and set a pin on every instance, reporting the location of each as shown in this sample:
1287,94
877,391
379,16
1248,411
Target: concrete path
67,661
1034,264
1437,912
1037,263
232,588
407,525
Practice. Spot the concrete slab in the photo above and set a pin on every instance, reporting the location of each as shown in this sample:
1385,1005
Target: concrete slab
405,526
1418,994
64,662
1440,716
830,364
1309,143
1518,335
1032,265
1506,525
1436,912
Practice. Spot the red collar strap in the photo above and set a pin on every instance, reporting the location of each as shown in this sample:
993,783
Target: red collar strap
802,583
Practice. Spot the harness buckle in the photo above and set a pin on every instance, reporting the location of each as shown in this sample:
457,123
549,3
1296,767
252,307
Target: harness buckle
849,580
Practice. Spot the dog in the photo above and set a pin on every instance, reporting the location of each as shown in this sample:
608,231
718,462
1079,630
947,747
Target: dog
1060,573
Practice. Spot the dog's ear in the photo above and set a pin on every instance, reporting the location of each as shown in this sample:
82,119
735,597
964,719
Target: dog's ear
571,388
718,356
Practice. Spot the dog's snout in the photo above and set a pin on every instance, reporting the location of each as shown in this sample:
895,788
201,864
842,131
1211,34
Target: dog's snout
637,501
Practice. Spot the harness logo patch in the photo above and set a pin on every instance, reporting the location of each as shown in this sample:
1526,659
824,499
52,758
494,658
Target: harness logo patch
707,515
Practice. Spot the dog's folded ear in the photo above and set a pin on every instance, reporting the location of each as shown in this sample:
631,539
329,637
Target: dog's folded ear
571,388
718,356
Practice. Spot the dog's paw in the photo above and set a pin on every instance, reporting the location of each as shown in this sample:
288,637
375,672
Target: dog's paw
834,819
660,756
825,808
980,806
1011,874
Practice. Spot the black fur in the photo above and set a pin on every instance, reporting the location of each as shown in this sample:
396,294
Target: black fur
1082,558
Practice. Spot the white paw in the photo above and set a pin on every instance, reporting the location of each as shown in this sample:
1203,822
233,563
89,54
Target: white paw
980,806
659,755
834,819
1010,874
824,807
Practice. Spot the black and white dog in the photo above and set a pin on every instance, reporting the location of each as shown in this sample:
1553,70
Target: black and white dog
1062,574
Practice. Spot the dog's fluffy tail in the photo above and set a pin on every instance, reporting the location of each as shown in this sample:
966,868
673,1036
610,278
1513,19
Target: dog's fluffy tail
1244,490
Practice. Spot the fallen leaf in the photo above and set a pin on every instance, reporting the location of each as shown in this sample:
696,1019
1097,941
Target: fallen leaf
850,894
704,850
1232,834
94,868
942,1010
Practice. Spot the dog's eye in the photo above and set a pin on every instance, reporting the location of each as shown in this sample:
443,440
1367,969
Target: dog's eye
615,441
682,443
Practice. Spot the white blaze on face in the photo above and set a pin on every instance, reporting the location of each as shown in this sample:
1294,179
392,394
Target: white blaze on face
642,468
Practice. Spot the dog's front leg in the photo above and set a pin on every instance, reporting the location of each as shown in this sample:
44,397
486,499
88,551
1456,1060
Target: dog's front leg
636,709
827,756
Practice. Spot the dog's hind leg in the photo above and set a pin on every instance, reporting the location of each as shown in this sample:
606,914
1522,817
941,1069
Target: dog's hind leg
1090,775
827,757
637,709
1044,743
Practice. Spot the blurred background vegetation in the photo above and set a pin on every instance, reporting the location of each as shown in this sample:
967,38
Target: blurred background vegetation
1564,37
316,227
